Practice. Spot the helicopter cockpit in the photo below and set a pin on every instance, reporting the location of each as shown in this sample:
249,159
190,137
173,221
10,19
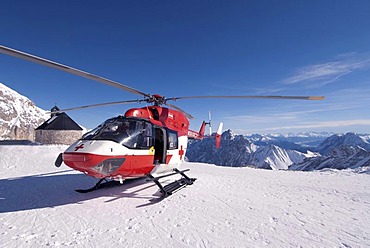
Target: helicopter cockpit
129,132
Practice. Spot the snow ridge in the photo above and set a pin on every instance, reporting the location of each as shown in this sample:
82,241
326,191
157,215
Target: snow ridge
276,158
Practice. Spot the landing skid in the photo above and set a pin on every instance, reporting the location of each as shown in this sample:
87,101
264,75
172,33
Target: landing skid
99,185
166,190
171,188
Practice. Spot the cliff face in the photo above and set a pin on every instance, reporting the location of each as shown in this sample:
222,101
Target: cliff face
18,115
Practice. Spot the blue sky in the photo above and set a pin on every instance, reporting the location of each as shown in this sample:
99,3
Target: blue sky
182,48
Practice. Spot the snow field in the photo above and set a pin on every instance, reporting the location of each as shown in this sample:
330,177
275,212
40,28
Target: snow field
226,207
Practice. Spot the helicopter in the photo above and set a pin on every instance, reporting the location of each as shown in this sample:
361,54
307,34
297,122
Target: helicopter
144,142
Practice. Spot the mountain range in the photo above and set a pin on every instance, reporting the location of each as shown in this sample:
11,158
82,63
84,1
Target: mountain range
337,151
301,141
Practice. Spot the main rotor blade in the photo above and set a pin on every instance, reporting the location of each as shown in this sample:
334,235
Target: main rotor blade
263,97
68,69
98,105
179,109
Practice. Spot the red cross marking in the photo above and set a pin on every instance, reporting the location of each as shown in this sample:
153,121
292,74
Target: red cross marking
181,152
79,147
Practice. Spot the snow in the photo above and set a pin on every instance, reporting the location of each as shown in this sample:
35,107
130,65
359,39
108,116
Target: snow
226,207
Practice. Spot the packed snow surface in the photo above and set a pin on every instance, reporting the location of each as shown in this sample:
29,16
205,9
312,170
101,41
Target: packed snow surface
226,207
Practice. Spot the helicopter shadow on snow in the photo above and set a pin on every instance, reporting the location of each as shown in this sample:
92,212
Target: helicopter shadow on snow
58,189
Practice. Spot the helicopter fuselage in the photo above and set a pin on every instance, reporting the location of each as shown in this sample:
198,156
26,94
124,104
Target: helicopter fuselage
145,140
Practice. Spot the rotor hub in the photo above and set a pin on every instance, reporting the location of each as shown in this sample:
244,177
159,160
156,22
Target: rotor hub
157,99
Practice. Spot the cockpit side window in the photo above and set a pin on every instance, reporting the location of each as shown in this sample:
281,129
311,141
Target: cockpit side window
172,140
148,135
132,133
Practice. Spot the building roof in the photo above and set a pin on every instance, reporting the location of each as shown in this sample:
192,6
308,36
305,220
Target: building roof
60,121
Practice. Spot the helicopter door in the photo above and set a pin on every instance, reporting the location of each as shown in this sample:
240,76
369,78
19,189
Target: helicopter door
160,146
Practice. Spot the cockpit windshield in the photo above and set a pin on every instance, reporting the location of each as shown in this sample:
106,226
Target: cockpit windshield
132,133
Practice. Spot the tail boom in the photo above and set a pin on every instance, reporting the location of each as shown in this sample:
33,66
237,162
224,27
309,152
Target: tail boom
200,135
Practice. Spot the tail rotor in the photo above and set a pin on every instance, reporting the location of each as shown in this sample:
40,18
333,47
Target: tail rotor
209,123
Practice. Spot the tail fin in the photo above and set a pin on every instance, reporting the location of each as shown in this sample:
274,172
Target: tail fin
197,135
202,129
218,135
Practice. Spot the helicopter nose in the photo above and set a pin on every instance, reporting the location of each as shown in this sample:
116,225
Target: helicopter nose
92,164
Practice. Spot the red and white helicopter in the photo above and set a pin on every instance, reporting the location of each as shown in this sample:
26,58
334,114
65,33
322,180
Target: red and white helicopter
147,141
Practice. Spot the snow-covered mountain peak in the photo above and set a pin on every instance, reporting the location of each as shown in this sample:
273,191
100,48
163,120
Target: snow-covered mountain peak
19,116
340,140
228,135
5,90
353,138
